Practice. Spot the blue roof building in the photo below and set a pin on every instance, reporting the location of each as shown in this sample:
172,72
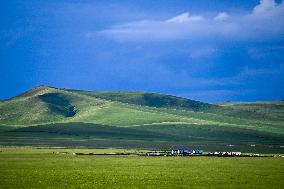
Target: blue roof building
181,151
197,151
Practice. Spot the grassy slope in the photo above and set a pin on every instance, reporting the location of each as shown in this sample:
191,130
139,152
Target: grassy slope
147,116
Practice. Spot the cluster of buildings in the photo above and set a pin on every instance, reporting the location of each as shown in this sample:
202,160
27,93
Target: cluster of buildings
224,154
185,151
176,152
179,152
188,152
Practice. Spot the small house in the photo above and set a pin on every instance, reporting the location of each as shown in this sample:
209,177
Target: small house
180,151
197,151
183,151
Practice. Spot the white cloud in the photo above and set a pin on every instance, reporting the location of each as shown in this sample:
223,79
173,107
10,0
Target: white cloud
180,18
184,17
265,6
223,16
265,21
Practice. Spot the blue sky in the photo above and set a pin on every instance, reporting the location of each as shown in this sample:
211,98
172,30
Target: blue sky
208,50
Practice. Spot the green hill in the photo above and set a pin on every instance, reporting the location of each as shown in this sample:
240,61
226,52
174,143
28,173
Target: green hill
137,117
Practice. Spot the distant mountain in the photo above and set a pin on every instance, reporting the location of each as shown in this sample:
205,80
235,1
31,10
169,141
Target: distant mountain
140,115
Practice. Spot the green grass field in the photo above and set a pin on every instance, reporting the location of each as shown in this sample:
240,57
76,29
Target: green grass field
40,168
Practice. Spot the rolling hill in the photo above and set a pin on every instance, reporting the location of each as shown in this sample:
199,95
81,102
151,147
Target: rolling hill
46,114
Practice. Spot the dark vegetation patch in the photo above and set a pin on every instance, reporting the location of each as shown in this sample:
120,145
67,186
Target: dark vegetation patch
213,133
5,128
43,139
262,105
98,131
181,133
58,103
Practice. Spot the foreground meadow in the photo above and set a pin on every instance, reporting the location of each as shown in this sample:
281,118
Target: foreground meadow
41,168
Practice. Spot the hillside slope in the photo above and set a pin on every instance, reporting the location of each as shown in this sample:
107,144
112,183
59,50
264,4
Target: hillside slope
146,116
49,105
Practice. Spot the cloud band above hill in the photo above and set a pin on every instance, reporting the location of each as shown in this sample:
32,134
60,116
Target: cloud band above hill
264,22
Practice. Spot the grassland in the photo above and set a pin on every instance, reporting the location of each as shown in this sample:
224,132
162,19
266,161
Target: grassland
52,116
40,168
